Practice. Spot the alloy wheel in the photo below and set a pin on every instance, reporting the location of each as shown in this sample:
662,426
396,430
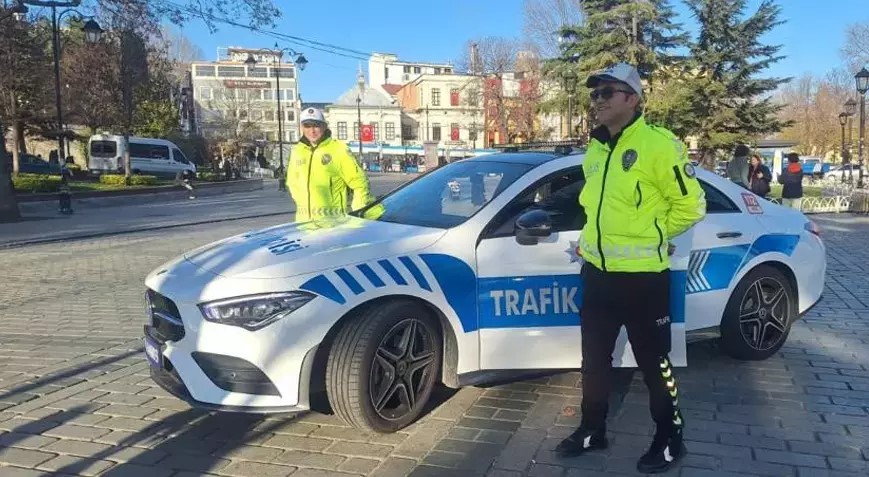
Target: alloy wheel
763,313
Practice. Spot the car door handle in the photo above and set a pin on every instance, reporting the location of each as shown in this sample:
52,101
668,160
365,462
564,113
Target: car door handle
729,234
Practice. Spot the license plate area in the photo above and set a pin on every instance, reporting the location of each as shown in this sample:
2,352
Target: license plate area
154,352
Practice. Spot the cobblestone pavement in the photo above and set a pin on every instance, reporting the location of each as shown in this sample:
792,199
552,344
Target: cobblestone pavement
75,396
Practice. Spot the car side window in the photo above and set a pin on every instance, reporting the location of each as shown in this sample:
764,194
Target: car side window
717,201
557,194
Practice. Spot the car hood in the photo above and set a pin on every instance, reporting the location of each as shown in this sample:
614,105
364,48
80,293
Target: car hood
294,249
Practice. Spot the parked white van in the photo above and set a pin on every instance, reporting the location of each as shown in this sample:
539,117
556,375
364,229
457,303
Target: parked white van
157,157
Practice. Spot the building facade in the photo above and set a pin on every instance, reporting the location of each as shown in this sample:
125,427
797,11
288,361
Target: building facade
375,109
386,69
235,101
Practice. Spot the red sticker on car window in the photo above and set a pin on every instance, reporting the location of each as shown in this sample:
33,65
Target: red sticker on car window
751,203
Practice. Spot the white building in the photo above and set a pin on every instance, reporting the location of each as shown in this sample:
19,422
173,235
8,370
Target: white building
387,69
375,108
232,97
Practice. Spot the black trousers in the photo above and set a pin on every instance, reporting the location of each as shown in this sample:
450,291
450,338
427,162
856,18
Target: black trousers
641,303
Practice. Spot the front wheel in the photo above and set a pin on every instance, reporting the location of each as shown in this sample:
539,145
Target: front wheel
383,366
759,315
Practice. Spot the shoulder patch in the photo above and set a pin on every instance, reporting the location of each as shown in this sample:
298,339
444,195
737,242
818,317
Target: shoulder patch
689,170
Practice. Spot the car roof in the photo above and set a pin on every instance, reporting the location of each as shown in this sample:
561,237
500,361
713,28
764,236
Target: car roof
528,158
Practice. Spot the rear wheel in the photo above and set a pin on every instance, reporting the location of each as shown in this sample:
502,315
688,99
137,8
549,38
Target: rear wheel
758,316
383,366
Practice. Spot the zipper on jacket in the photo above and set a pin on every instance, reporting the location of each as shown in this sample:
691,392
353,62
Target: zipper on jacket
640,199
310,164
606,167
660,239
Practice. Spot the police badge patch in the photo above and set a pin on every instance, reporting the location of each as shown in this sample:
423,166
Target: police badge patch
628,159
689,170
326,159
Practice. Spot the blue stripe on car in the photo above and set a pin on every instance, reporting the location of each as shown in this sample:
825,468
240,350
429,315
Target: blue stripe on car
459,285
390,269
417,275
371,275
714,268
349,280
323,287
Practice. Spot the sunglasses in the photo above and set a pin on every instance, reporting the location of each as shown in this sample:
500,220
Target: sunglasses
607,92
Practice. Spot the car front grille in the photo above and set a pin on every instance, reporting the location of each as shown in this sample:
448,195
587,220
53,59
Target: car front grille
165,319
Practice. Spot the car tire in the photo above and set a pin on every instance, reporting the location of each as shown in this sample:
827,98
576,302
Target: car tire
759,314
372,366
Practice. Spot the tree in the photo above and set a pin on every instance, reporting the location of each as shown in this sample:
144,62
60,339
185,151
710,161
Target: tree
643,33
856,49
491,59
729,103
812,104
544,19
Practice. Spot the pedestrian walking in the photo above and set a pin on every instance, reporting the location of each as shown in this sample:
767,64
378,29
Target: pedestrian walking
321,171
640,192
737,168
792,182
759,176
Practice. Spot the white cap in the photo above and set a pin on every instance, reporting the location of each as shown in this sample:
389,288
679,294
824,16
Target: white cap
621,72
312,115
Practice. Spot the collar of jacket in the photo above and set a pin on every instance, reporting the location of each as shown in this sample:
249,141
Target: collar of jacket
327,136
602,133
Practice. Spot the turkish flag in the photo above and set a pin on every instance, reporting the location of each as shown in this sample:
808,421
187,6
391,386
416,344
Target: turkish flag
454,134
367,133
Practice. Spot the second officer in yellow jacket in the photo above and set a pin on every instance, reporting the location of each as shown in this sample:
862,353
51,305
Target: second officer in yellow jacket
320,172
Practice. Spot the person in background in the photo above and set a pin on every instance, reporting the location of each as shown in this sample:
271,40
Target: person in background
759,176
792,182
737,168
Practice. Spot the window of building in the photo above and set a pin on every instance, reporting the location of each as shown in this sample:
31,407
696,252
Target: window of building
242,114
376,131
268,95
256,115
342,130
230,71
417,69
472,134
284,72
390,131
436,132
291,136
386,73
406,69
435,97
448,71
271,136
254,94
269,115
355,131
454,97
437,71
204,93
202,71
255,72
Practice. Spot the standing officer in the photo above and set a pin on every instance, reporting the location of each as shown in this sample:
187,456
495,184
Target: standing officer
321,170
640,192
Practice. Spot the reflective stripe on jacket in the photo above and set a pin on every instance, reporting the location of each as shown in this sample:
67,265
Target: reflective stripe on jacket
640,192
318,178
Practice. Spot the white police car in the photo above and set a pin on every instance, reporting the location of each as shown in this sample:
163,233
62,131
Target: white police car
379,307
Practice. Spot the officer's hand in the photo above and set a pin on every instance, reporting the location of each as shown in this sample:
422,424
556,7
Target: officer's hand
671,248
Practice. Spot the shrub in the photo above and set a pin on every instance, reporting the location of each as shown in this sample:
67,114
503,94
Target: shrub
36,183
120,179
208,176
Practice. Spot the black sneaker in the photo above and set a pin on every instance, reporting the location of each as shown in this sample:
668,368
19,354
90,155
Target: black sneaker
666,450
582,440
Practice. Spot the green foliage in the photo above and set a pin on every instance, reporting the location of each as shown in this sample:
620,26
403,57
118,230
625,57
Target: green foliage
120,179
155,118
729,103
208,176
36,183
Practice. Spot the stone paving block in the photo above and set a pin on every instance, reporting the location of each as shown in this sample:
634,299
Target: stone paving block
310,459
423,439
72,431
195,463
320,473
120,410
358,465
135,455
20,472
23,457
249,453
545,470
520,449
360,449
79,448
754,467
477,463
74,465
256,469
293,442
130,438
394,467
136,470
24,441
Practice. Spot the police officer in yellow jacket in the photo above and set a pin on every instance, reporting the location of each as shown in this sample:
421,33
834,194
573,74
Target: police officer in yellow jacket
640,192
320,171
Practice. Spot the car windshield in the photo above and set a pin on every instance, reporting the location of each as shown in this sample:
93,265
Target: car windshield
447,196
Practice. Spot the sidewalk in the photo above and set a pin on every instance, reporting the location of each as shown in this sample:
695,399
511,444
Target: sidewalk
48,225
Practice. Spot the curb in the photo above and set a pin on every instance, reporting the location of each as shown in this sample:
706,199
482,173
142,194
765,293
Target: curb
71,238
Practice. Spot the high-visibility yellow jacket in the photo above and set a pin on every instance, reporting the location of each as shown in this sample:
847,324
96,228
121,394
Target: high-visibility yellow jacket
640,192
318,178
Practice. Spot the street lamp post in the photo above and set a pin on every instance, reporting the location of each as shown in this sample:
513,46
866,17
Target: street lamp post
301,62
862,78
843,119
850,110
360,87
92,32
569,85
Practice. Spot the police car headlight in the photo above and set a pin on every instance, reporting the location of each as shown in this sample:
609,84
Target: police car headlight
254,312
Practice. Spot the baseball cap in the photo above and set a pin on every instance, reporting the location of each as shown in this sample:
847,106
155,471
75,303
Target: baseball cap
310,115
621,72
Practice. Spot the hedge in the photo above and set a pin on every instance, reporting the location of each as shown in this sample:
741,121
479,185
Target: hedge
120,179
36,183
209,176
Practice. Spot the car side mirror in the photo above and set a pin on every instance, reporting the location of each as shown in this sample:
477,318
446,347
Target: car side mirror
531,226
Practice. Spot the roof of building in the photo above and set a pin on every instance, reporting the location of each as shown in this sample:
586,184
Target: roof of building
392,88
370,97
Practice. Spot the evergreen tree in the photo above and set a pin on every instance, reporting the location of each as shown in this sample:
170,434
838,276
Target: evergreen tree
729,103
639,32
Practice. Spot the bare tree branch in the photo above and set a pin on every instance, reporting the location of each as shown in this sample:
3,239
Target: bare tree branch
542,21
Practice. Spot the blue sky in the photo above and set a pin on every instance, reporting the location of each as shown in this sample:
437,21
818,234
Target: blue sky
428,31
